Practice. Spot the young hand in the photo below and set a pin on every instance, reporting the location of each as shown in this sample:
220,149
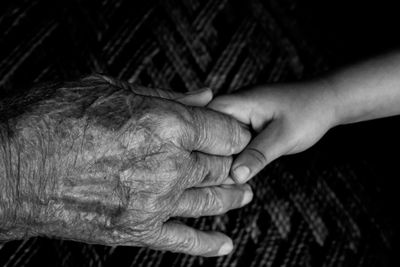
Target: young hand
287,118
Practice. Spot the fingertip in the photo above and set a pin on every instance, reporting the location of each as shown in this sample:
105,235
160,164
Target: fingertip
181,238
223,242
247,196
241,174
203,97
226,248
198,98
205,92
207,95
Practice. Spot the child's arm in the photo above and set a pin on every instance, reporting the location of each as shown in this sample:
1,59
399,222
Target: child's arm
292,117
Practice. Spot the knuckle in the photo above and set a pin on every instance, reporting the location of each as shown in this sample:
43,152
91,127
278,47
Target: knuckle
168,122
204,202
201,134
154,236
171,126
226,166
191,243
158,239
218,169
213,203
190,172
199,169
258,155
235,136
202,172
148,206
125,234
184,241
193,205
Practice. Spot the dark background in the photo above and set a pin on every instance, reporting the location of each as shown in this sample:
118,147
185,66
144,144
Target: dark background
334,205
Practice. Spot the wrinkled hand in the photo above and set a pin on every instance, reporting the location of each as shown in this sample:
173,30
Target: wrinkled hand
288,119
126,159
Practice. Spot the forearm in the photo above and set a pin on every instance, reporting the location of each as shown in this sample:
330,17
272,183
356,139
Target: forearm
7,189
367,91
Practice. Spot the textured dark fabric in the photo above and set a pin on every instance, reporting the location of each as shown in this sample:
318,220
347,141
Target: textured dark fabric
327,207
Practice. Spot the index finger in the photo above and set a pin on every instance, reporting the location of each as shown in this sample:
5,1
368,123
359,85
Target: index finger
218,134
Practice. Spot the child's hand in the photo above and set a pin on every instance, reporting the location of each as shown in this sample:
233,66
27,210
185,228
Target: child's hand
288,119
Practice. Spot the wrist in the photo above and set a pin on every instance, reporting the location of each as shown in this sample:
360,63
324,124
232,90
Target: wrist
332,103
10,183
24,184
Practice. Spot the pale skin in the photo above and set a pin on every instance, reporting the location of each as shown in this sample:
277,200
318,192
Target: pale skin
106,162
290,118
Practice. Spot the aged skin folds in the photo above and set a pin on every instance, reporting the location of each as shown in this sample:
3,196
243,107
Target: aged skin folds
102,161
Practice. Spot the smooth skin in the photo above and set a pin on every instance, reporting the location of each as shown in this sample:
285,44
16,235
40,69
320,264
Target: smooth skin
290,118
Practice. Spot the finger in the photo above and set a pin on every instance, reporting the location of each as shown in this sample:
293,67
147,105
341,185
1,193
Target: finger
212,170
264,148
194,98
181,238
198,98
215,200
228,181
218,134
234,105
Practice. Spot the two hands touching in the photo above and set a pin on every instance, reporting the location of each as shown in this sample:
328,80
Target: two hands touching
286,119
103,161
290,118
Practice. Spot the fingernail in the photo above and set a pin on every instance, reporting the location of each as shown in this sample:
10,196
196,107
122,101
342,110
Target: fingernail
241,173
225,249
247,197
195,92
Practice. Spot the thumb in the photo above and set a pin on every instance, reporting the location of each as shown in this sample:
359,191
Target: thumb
198,98
264,148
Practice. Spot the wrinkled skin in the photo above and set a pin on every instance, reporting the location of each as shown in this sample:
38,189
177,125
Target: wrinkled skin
102,161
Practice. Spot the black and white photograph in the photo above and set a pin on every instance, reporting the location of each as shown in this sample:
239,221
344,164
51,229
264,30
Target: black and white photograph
218,133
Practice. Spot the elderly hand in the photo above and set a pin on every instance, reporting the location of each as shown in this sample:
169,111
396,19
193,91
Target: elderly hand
102,161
